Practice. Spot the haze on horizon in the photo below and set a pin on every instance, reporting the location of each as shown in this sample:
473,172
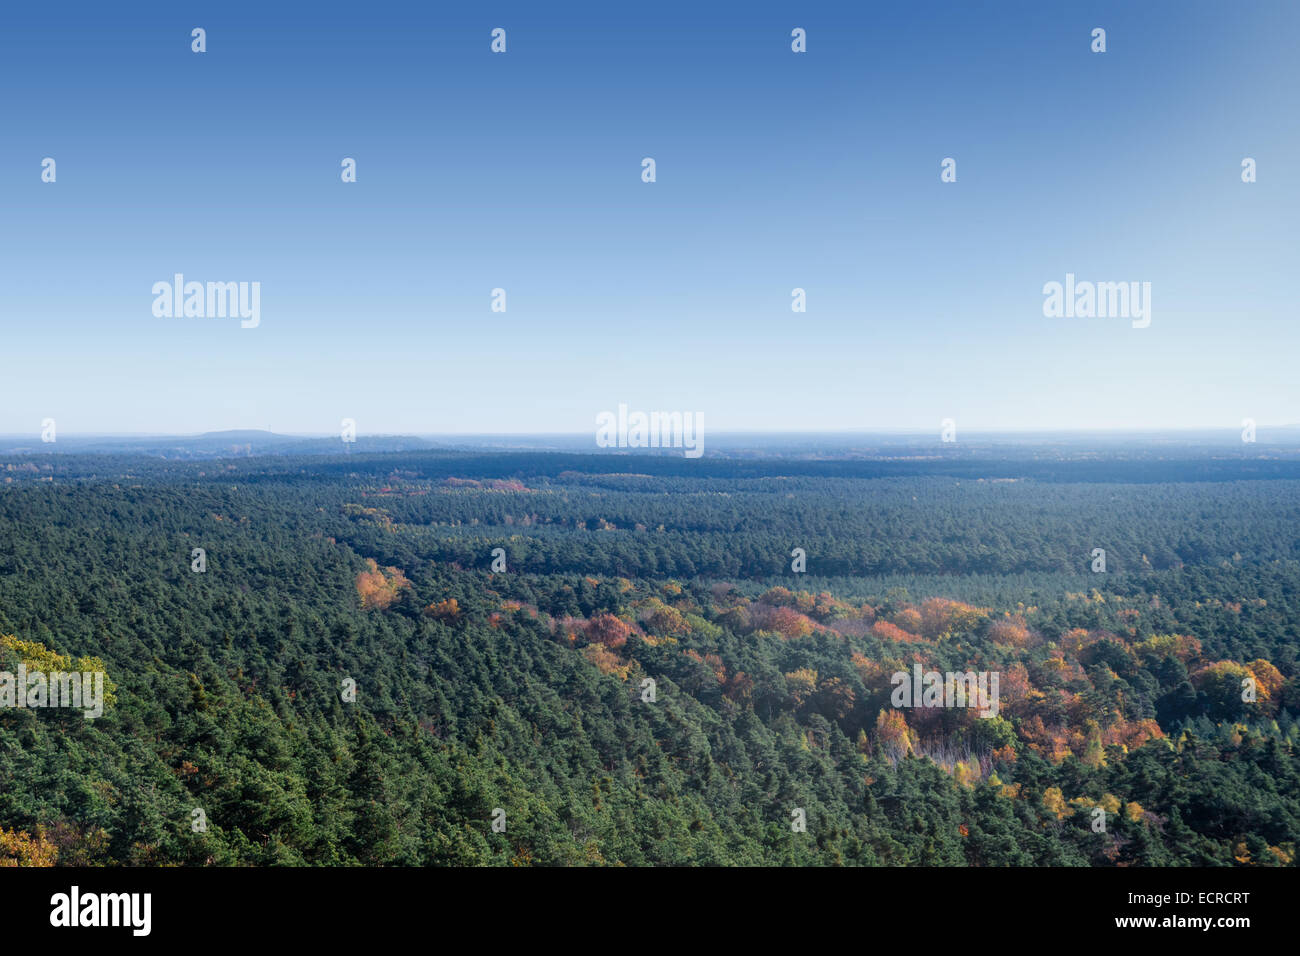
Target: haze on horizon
1286,433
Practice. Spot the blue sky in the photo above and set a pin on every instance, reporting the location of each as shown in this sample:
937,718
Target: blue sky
522,171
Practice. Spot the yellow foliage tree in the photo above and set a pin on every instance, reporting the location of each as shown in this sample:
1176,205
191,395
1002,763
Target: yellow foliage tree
37,657
19,848
966,774
1054,801
896,738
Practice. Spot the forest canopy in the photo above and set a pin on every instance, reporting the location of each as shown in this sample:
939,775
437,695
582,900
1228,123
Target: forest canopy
436,658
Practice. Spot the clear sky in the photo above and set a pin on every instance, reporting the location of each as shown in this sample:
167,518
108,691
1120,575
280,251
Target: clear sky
522,170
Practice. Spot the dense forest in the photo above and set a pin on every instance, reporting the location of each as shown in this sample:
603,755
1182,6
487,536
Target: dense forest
601,659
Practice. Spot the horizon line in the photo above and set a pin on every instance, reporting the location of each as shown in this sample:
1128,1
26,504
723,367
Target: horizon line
739,432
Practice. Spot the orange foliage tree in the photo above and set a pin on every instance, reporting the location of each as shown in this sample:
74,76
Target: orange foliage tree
609,630
379,588
893,737
447,610
892,632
